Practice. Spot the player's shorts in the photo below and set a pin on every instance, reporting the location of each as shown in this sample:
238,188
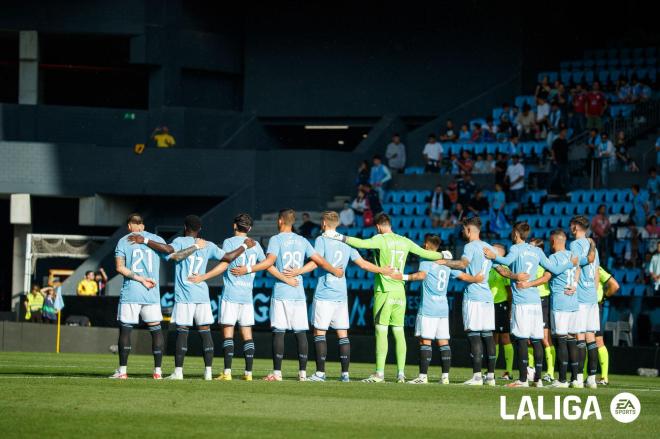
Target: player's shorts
232,313
545,311
432,328
478,316
131,312
389,309
502,318
288,315
328,314
599,333
184,314
527,321
588,319
564,322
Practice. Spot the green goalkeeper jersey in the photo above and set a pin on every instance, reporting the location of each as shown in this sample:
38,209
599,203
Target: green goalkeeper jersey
391,250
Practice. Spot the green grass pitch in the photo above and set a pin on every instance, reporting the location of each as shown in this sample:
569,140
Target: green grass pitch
68,395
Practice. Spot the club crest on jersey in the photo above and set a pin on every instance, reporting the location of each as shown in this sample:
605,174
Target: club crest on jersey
569,408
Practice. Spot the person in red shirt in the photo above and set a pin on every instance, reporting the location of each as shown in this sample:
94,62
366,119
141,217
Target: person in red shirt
600,226
595,107
579,100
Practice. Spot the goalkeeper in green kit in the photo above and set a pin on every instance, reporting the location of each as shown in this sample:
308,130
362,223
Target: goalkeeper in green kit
389,292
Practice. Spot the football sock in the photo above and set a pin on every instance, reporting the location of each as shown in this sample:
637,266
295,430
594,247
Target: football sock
248,352
508,357
571,343
301,337
228,350
550,360
489,341
522,359
278,349
425,355
562,355
537,344
592,361
476,349
124,343
530,355
344,353
381,348
445,358
604,359
582,353
497,352
207,345
321,352
157,343
181,346
401,348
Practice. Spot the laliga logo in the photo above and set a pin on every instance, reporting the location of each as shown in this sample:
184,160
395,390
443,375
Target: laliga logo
625,408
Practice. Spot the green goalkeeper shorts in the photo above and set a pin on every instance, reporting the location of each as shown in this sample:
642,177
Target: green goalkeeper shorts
389,309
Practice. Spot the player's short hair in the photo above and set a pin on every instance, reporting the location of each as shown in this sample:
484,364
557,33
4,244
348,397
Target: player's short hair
134,218
434,240
580,221
288,216
474,221
522,229
193,223
330,217
243,222
88,271
559,233
382,219
537,242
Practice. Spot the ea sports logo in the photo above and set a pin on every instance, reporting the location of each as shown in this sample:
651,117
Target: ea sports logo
625,407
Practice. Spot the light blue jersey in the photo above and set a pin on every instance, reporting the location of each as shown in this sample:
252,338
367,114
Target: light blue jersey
291,251
238,289
331,287
144,262
586,286
184,290
558,284
524,257
434,289
478,263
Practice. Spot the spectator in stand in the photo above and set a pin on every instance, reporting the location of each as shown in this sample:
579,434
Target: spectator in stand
477,133
657,150
101,279
645,92
466,164
379,176
640,204
653,187
595,107
481,166
504,130
449,133
48,312
623,160
489,130
653,229
34,303
526,123
555,123
452,195
497,198
347,216
466,189
561,178
373,200
455,218
560,98
507,113
396,154
465,135
308,229
363,173
478,205
514,146
439,205
543,88
500,169
163,138
654,270
515,176
454,165
490,163
623,91
578,120
542,113
635,237
591,144
433,154
607,156
359,204
88,286
601,228
635,90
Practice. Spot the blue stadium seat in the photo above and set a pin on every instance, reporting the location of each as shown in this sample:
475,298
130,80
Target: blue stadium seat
589,76
627,289
577,76
639,290
479,148
614,74
368,232
445,234
603,76
353,284
408,196
414,286
566,76
619,247
491,148
406,222
421,196
553,222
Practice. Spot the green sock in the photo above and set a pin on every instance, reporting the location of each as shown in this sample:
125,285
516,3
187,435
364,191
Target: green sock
381,348
508,357
604,360
530,356
400,344
497,352
549,360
